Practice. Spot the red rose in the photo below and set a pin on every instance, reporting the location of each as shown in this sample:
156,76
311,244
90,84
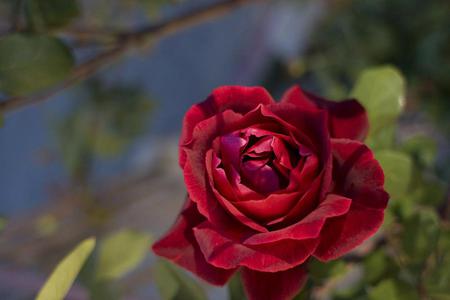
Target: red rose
271,184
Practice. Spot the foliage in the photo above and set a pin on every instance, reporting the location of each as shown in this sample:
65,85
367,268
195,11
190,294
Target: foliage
30,62
59,283
120,253
410,259
173,284
101,125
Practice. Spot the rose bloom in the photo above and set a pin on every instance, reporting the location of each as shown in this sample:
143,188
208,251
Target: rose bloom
270,185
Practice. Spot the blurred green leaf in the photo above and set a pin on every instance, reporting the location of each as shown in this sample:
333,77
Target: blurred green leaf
420,235
101,126
29,63
173,284
375,265
438,277
429,192
121,252
381,91
320,271
383,139
235,288
397,168
422,148
62,277
50,14
390,289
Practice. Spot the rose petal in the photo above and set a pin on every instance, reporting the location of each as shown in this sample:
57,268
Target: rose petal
342,234
358,175
224,249
180,246
310,226
260,177
303,207
236,98
348,119
195,176
267,209
273,286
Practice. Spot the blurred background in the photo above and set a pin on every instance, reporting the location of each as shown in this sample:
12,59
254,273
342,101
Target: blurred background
92,96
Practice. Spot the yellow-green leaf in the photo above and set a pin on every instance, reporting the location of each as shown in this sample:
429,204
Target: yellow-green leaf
397,167
121,252
381,90
60,281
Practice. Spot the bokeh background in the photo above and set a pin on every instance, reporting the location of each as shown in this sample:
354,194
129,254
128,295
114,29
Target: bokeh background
98,157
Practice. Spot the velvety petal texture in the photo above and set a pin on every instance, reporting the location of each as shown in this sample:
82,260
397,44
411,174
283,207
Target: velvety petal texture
270,185
273,286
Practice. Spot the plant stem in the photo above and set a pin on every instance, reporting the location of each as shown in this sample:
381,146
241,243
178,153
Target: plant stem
125,41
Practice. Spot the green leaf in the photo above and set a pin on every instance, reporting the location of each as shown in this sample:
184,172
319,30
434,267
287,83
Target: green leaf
235,288
174,284
50,14
375,265
420,235
422,148
29,63
438,277
390,289
381,91
429,192
60,281
320,271
397,168
121,252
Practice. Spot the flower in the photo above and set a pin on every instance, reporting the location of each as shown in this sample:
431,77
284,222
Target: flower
271,184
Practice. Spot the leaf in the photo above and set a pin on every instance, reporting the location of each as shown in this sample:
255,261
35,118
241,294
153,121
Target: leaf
438,277
29,63
420,235
174,284
422,148
375,266
320,271
62,277
121,252
235,288
390,289
397,168
381,91
50,14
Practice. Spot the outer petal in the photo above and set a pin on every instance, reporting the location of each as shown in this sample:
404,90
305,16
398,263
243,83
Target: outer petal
273,286
342,234
224,249
236,98
348,118
360,178
310,226
357,173
179,246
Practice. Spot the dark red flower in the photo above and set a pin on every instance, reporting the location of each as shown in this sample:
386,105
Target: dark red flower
271,184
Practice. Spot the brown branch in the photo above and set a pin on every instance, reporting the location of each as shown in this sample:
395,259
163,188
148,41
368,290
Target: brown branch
125,41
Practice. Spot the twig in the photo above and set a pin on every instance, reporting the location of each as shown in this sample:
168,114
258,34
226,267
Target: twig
125,41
